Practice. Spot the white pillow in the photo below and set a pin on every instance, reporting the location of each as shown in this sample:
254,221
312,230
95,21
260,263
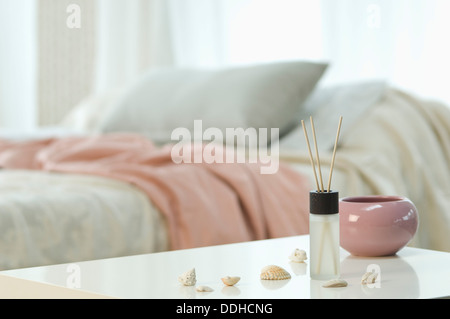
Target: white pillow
86,115
261,96
326,104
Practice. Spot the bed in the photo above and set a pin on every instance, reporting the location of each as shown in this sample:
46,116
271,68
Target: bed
103,183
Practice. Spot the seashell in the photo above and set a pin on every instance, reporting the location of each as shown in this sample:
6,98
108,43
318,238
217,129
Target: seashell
369,278
334,283
204,289
230,281
298,256
273,272
188,278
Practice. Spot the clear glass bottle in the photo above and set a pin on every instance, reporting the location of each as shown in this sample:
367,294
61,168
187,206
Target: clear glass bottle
324,235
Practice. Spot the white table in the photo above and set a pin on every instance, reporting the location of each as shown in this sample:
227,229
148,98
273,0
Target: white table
412,273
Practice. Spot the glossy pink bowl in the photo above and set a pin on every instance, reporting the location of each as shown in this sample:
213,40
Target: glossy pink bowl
374,226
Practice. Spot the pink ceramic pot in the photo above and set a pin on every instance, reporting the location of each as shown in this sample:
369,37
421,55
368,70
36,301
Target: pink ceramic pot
373,226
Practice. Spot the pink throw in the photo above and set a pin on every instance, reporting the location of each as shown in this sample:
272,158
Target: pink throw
203,204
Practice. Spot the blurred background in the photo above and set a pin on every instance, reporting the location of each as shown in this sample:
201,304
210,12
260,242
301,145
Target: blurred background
55,53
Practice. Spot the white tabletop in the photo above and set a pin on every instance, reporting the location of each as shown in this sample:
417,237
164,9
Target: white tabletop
412,273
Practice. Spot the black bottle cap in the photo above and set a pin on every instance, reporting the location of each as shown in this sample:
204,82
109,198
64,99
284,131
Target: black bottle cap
323,203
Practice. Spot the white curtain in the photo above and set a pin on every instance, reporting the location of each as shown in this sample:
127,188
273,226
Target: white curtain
402,41
45,66
230,32
135,35
138,34
18,50
132,36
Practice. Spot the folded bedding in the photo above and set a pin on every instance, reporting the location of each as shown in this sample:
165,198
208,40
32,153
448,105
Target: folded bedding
202,204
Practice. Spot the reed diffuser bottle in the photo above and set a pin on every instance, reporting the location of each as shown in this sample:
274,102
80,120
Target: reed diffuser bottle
323,219
324,235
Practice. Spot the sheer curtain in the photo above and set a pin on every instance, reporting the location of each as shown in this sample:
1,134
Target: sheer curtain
231,32
45,65
136,35
402,41
18,49
132,36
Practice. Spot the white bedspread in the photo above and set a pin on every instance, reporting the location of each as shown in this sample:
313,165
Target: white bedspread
48,218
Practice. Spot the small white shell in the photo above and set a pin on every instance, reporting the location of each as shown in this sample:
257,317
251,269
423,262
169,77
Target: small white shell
334,283
204,289
369,278
298,256
273,272
188,278
230,281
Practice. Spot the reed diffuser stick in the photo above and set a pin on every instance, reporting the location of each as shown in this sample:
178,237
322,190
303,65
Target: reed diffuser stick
317,153
334,154
310,155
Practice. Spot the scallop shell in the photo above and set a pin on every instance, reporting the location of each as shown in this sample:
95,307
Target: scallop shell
230,281
204,289
273,272
334,283
188,278
298,256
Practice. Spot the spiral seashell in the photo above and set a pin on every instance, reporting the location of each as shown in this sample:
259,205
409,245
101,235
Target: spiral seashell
230,281
273,272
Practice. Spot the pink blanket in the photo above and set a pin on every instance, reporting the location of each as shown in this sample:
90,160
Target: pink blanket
203,204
